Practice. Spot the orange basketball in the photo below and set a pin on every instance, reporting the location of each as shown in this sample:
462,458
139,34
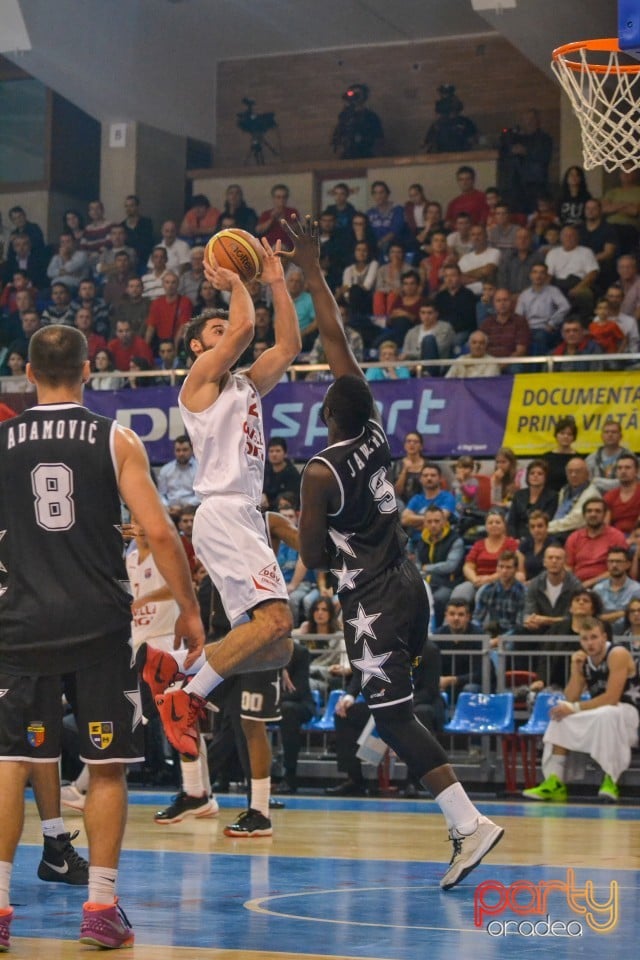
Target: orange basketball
236,250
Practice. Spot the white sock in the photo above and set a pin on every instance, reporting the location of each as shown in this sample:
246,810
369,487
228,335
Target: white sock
5,882
102,885
181,655
81,782
459,812
203,760
205,680
260,793
53,828
555,765
192,777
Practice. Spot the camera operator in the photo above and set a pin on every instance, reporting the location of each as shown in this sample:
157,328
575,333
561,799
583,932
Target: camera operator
523,164
358,129
450,132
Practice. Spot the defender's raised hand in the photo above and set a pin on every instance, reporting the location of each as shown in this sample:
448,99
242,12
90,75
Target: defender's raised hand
306,243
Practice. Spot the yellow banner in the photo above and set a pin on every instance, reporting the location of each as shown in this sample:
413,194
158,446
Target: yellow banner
538,401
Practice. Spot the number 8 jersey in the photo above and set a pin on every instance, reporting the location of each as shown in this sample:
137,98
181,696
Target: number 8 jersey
365,533
61,565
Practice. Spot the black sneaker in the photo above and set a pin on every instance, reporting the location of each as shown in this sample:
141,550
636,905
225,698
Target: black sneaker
250,823
61,862
184,805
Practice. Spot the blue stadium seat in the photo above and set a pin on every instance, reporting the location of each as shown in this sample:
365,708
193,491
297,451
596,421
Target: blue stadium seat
317,701
327,721
483,713
539,719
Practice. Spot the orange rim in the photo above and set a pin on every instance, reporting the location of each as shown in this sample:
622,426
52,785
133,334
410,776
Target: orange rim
602,46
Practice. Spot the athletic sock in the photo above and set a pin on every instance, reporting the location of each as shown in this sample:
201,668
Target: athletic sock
102,884
181,655
458,810
53,828
555,765
203,760
5,882
81,782
192,777
260,793
205,680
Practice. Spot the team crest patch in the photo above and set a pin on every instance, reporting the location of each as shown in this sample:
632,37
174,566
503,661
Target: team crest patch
268,579
101,733
35,733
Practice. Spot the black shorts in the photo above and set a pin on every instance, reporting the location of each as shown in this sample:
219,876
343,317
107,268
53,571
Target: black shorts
260,696
109,714
386,624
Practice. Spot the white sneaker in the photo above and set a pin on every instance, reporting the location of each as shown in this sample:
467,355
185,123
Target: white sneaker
468,851
72,797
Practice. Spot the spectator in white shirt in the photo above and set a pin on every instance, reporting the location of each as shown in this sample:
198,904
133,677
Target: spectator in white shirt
481,264
574,269
176,478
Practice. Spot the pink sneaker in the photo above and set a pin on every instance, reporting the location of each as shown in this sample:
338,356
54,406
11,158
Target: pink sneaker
105,926
6,916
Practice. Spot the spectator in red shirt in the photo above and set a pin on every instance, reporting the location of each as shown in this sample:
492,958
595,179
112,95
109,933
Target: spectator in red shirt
623,502
508,333
469,201
169,313
269,223
124,346
587,548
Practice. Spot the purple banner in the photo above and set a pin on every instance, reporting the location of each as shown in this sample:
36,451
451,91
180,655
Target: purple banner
453,416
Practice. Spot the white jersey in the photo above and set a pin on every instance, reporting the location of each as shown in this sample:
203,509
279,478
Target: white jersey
228,441
155,619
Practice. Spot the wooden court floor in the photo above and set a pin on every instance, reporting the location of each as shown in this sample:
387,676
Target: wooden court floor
352,879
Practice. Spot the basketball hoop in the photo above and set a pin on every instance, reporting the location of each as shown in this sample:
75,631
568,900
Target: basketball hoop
603,85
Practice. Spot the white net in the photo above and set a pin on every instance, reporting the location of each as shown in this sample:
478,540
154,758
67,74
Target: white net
606,99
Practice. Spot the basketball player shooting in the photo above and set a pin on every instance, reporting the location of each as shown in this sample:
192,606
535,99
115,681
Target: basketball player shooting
349,524
222,413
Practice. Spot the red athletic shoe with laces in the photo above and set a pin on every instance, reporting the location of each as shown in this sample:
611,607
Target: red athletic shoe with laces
180,712
159,671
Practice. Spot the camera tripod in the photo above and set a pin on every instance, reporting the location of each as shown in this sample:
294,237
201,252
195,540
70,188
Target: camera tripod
258,142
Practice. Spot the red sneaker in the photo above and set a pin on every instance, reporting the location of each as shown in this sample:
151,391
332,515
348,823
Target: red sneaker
180,712
159,671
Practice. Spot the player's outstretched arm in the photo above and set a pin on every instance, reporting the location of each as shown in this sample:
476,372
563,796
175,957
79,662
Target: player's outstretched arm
139,493
274,362
316,493
306,255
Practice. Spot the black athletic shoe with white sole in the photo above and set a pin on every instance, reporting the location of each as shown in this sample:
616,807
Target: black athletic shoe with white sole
61,862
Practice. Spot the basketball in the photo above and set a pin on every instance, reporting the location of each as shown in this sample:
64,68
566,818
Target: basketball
235,250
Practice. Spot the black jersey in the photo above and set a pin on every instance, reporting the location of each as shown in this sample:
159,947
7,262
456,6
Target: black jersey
62,572
598,676
365,536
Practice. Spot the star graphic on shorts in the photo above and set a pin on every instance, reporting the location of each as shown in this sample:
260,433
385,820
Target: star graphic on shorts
341,541
362,623
3,569
345,577
133,696
371,666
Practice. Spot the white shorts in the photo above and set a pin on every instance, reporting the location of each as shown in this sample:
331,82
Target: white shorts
229,538
606,733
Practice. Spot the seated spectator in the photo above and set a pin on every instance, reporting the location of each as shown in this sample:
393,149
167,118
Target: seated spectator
605,332
134,307
303,306
140,365
508,333
532,546
481,263
19,281
543,217
235,206
296,708
342,210
335,248
106,266
459,240
385,218
20,256
574,269
604,726
456,304
603,462
484,304
458,672
544,307
573,197
576,342
115,289
503,232
322,632
481,563
88,297
389,280
629,283
432,266
573,496
469,200
126,345
208,298
431,494
600,237
103,363
95,238
628,324
69,265
21,227
565,433
167,357
152,280
620,206
466,486
588,547
317,353
168,314
280,473
84,323
388,355
499,608
505,479
190,280
535,496
358,280
16,381
139,229
21,326
200,221
404,309
623,501
60,309
176,478
431,339
405,473
628,632
617,590
269,223
415,211
178,251
440,553
478,362
549,594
